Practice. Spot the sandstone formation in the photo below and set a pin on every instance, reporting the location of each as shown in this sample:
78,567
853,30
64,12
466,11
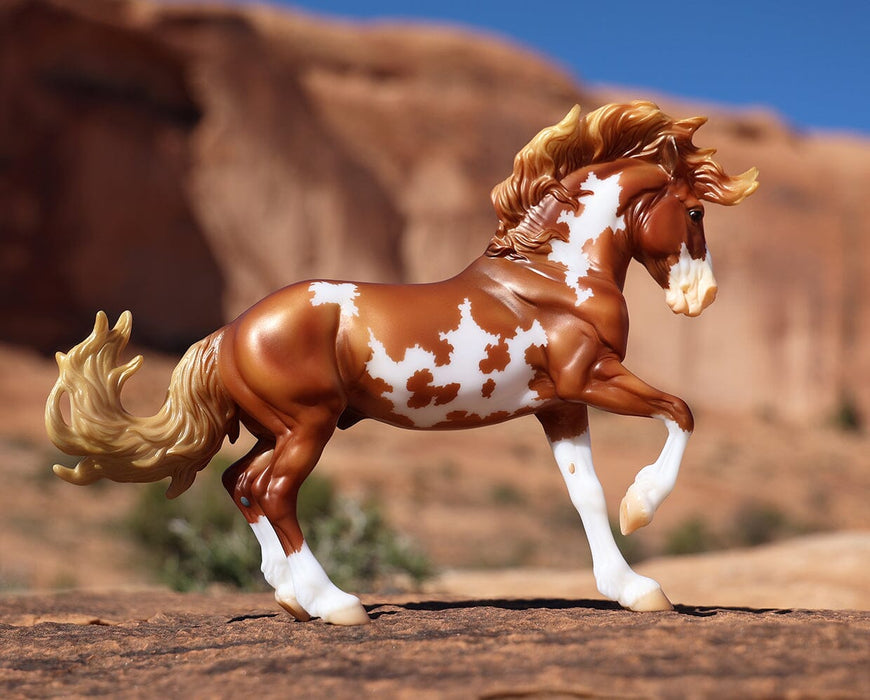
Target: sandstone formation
183,161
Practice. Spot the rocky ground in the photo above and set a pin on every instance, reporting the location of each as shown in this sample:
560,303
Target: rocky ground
151,644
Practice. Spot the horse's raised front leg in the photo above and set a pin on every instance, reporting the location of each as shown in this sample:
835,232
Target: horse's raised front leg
567,429
613,388
654,482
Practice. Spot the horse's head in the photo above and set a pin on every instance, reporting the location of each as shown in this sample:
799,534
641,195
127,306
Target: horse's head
666,232
664,180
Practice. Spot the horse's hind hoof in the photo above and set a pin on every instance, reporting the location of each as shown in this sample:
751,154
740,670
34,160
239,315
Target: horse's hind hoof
351,615
633,514
654,601
291,605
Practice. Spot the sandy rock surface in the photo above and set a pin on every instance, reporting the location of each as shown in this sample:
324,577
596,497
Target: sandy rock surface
152,644
829,570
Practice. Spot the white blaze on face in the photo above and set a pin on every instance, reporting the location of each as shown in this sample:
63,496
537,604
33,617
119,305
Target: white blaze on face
598,214
479,393
691,284
341,293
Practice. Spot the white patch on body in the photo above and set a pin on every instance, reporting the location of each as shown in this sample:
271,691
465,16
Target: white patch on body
597,216
469,344
691,284
341,293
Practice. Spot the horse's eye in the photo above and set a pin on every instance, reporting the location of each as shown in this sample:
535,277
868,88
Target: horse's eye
696,215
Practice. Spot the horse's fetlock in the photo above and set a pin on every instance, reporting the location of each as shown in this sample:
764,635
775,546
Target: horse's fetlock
683,415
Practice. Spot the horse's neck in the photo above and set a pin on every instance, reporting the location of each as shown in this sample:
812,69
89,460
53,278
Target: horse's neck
596,245
542,285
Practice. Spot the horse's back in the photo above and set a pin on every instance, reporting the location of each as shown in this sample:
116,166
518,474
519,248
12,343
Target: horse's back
447,354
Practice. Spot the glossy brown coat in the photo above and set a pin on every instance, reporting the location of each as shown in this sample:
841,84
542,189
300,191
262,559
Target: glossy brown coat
537,325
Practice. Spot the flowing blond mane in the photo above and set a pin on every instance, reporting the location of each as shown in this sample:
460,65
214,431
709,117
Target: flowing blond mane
638,129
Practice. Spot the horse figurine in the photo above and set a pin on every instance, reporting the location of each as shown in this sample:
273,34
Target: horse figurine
537,325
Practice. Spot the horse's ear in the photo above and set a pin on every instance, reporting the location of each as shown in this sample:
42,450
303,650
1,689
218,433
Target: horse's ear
691,125
671,156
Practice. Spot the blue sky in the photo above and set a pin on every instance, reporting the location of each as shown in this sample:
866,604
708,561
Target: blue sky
809,61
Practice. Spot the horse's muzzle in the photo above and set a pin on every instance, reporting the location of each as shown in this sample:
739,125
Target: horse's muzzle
691,284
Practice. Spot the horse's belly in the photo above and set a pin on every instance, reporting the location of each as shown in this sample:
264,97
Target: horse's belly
487,378
419,402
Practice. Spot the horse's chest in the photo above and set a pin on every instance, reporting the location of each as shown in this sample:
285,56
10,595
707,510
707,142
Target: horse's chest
486,376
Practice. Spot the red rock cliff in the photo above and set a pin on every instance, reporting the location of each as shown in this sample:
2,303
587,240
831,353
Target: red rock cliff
184,161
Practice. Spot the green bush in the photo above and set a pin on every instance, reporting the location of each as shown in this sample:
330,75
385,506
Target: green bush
354,543
201,538
847,416
754,523
760,523
197,539
691,537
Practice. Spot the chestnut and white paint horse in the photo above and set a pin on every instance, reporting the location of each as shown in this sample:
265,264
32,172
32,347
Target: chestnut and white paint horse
537,325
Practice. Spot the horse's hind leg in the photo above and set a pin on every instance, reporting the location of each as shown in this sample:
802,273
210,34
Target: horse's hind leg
275,491
237,480
567,430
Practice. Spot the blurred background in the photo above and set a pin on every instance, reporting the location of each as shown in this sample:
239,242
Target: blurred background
182,160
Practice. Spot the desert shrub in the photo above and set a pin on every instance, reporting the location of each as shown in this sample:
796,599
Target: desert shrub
760,523
507,495
847,416
353,541
197,539
201,538
691,536
753,524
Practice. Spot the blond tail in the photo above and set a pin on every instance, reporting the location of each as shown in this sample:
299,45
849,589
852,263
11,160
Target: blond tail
177,441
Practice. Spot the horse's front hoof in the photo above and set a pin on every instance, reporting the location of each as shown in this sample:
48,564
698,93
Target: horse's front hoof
633,514
291,605
351,615
654,601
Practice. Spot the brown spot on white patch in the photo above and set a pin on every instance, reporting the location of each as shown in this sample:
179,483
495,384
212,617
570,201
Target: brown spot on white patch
500,416
571,468
498,357
488,388
419,387
423,392
445,394
456,416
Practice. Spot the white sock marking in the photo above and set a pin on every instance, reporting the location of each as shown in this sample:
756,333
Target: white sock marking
654,482
317,595
274,566
613,576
